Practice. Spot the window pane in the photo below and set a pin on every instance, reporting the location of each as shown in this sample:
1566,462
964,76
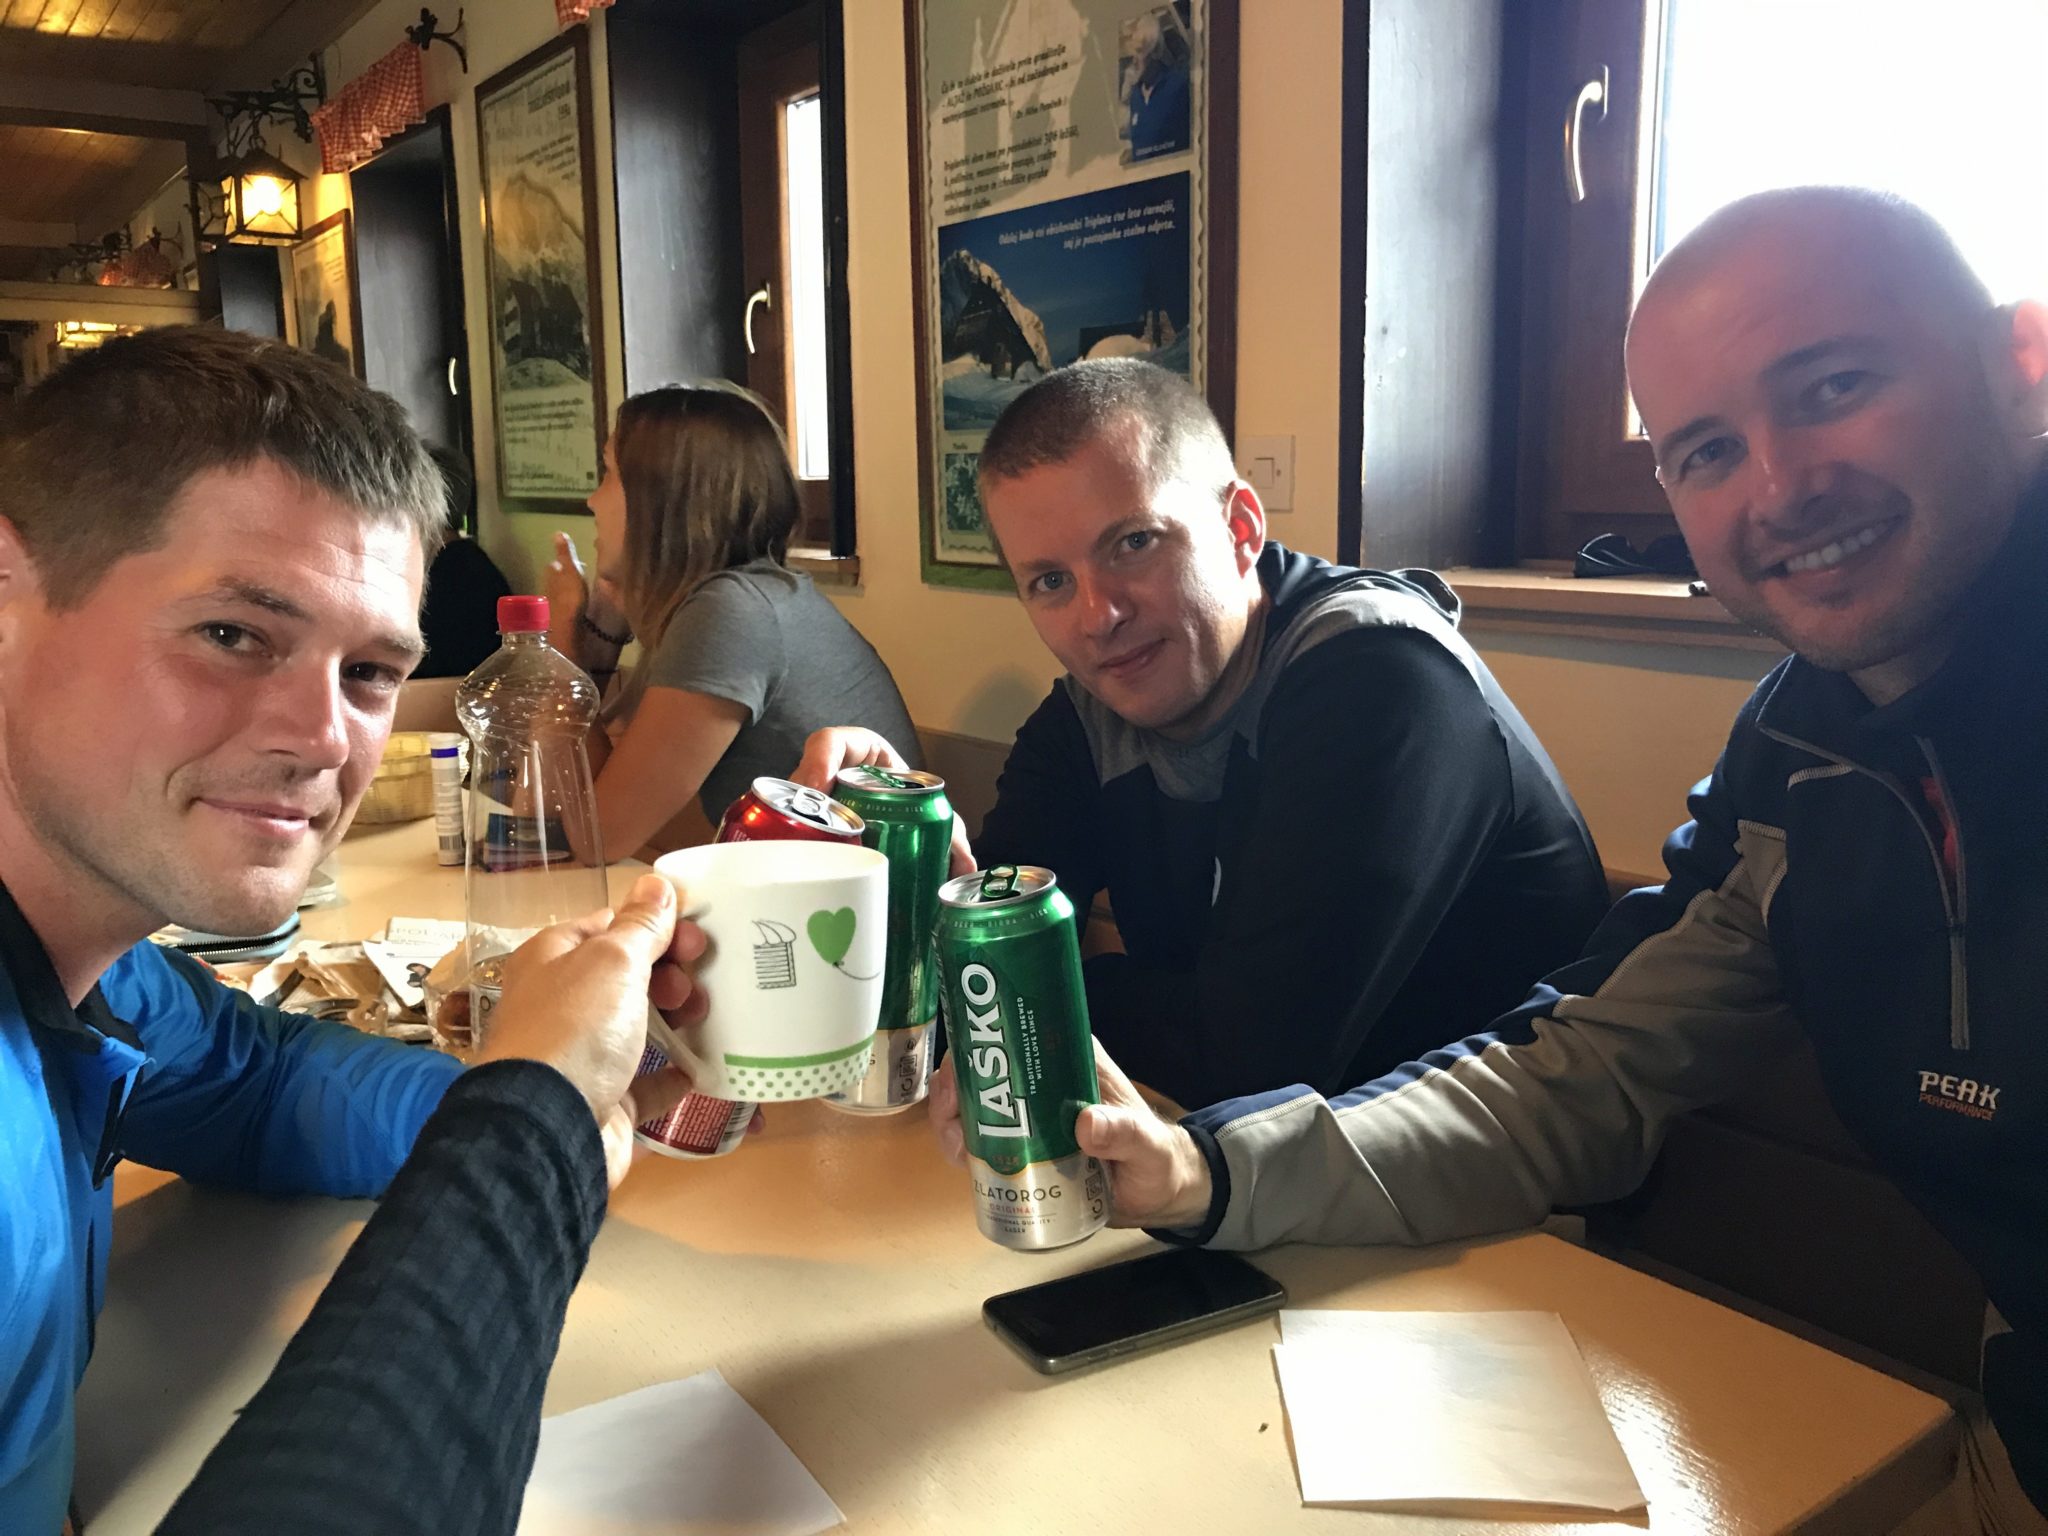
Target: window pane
1938,101
804,170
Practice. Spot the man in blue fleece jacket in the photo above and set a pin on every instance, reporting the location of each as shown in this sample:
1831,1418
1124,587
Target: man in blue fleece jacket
211,551
1851,434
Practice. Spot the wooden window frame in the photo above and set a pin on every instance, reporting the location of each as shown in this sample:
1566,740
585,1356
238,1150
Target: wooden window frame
779,64
675,109
1459,474
1429,284
1582,472
1484,411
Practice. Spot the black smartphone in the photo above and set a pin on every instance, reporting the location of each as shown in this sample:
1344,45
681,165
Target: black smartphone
1120,1309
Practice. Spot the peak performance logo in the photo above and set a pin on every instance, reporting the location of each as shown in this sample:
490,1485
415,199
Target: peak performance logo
1959,1095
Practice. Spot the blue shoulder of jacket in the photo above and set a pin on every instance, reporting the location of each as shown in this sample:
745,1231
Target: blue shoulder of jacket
154,981
171,1000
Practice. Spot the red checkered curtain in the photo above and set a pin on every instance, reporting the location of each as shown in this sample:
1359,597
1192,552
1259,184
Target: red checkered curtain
569,12
383,100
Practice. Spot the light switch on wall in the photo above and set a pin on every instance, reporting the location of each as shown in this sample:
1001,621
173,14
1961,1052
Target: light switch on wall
1268,463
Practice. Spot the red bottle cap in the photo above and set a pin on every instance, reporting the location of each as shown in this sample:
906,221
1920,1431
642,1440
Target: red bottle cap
522,615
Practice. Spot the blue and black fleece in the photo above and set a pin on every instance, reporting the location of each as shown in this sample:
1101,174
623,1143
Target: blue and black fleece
1869,878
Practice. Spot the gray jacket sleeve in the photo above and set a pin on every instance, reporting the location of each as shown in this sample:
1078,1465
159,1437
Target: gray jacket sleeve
1562,1102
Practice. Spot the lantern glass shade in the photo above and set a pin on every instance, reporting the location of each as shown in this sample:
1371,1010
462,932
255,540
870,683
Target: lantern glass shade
258,202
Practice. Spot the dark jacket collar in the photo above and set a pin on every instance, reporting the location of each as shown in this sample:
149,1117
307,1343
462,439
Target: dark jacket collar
48,1011
1996,677
1295,582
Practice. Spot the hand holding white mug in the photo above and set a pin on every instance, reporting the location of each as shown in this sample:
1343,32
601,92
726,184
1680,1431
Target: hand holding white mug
798,936
576,998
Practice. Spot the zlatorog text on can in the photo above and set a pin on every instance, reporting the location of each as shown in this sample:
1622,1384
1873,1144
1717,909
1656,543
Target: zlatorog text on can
910,821
1017,1023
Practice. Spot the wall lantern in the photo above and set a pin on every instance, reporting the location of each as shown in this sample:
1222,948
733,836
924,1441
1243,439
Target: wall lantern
255,202
253,197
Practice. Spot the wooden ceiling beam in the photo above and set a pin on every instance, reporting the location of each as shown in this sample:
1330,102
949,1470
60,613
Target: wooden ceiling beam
115,58
138,111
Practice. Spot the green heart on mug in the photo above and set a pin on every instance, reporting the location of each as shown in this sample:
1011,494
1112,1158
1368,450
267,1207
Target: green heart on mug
831,934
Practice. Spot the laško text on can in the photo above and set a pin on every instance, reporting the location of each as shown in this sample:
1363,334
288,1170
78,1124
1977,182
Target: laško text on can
774,810
910,822
1017,1020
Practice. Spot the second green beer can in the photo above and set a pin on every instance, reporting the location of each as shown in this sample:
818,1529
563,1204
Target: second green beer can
910,821
1017,1025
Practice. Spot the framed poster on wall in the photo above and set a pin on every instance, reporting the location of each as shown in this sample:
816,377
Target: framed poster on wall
326,320
1066,204
533,124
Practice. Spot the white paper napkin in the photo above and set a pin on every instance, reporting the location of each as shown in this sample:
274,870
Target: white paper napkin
679,1457
1447,1412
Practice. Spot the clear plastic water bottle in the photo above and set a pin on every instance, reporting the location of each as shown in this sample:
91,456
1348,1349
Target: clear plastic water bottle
533,855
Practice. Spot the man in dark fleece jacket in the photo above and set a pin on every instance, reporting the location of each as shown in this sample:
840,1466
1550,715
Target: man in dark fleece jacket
1322,826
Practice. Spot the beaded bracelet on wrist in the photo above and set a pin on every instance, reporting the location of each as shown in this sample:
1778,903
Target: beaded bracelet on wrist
586,623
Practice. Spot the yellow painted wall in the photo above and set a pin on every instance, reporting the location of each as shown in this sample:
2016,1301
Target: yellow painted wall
1631,726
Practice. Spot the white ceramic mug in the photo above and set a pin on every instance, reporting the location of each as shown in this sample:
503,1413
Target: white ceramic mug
798,932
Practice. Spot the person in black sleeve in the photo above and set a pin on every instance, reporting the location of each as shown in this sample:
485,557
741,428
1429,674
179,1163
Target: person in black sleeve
380,1416
1323,828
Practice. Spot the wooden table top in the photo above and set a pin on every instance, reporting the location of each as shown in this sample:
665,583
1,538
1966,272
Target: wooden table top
832,1270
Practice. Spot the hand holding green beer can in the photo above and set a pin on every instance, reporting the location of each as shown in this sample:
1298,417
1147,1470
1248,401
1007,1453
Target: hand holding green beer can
1017,1020
909,821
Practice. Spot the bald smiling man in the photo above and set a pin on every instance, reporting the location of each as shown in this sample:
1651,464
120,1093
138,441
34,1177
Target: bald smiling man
1851,435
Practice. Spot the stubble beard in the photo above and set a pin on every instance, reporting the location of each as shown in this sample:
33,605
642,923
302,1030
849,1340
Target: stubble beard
147,868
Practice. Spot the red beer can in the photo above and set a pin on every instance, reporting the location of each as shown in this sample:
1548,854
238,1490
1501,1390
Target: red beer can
777,810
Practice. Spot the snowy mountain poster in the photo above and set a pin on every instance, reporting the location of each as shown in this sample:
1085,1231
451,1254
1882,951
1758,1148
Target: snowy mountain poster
531,135
1105,274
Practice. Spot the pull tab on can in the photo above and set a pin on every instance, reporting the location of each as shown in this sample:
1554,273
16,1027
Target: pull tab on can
875,776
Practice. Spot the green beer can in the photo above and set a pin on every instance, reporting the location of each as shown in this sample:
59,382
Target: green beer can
1017,1025
910,821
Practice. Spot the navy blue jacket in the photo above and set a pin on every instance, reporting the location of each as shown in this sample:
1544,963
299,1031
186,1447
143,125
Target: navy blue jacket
1370,843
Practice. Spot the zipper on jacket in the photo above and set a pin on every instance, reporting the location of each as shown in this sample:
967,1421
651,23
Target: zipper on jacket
1959,919
1951,894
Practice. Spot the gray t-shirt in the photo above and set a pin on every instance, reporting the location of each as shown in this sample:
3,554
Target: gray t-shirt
762,637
